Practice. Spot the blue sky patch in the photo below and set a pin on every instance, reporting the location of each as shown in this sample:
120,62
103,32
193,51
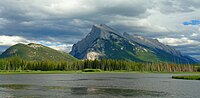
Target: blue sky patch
192,22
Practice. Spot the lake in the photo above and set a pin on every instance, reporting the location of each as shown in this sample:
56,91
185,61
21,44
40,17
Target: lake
112,85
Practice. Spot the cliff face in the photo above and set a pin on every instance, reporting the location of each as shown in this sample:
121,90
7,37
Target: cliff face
105,42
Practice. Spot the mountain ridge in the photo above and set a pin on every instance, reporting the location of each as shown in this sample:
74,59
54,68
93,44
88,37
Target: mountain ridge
36,52
105,42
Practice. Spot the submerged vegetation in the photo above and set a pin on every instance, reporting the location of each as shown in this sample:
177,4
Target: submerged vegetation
187,77
91,70
17,64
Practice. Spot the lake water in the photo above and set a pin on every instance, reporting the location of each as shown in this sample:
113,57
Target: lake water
113,85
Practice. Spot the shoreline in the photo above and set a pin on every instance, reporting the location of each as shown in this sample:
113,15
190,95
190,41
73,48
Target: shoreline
4,72
187,77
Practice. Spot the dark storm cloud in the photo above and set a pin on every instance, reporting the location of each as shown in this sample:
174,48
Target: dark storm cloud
178,6
173,6
36,19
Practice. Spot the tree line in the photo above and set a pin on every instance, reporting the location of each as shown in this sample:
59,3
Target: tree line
15,63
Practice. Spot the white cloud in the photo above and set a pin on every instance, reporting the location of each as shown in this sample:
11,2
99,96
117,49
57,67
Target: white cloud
12,40
144,25
178,41
56,45
62,47
194,35
145,15
69,7
40,9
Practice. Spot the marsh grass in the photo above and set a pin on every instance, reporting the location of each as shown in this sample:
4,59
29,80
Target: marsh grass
91,70
86,71
187,77
39,72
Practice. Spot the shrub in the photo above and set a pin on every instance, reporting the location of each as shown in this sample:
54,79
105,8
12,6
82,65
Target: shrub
91,70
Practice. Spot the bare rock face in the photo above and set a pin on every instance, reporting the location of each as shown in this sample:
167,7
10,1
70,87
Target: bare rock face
105,42
35,46
152,43
102,31
92,55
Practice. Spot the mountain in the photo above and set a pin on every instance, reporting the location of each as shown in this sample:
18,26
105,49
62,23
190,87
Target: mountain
36,52
104,42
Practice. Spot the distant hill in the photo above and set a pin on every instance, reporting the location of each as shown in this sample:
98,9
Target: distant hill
36,52
103,42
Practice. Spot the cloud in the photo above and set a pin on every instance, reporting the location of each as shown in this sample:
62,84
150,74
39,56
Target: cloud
38,16
3,22
56,45
68,21
176,6
28,23
194,35
12,40
178,41
62,47
192,22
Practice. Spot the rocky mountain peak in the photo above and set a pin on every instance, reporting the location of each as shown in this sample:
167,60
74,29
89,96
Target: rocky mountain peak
105,42
102,31
104,27
152,43
99,31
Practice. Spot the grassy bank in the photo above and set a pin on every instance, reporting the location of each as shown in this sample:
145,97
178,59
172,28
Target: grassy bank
39,72
65,72
187,77
86,71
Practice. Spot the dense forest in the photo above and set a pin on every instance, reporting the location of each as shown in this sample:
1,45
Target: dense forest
15,63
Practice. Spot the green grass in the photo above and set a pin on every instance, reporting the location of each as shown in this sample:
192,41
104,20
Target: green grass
40,72
91,70
41,53
87,71
187,77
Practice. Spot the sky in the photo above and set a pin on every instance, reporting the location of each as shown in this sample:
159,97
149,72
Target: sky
61,23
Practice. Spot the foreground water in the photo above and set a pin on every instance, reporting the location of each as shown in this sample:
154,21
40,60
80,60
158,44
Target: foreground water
97,86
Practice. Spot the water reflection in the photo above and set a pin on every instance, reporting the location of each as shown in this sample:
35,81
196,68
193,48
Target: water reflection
17,90
96,86
101,79
94,79
114,92
14,86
